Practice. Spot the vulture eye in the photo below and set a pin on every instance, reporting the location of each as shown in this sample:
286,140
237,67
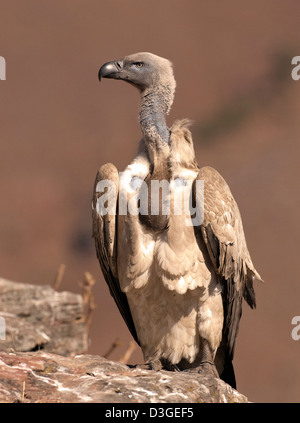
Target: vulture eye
139,64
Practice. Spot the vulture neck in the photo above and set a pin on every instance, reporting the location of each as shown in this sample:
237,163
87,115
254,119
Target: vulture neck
155,106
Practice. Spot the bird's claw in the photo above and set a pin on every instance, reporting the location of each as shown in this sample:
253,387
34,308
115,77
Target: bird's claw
151,365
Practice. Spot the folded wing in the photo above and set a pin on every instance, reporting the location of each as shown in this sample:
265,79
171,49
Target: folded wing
223,235
105,236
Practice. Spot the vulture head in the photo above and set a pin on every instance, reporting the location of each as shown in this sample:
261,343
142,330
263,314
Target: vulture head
146,71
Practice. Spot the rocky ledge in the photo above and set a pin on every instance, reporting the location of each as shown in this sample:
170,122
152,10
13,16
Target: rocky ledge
43,340
45,377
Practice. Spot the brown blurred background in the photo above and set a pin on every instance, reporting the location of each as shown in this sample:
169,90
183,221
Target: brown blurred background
233,67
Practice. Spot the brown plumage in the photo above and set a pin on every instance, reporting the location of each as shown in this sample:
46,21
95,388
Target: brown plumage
178,282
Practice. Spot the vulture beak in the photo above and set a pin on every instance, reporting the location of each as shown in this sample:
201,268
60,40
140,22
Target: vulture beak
111,70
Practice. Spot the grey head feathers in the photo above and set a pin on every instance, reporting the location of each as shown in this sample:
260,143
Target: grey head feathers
153,76
147,71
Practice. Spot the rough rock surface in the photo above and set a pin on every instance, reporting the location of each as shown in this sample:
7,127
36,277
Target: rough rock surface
42,330
36,317
45,377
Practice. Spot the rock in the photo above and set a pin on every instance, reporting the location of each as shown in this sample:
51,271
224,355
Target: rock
38,317
44,377
42,331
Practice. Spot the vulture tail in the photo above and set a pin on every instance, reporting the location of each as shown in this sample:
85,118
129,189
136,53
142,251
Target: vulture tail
228,374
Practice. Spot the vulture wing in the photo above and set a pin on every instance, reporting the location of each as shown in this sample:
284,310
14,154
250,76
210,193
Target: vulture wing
105,235
223,235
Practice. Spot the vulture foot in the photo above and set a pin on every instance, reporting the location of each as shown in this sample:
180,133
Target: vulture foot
207,368
206,365
151,365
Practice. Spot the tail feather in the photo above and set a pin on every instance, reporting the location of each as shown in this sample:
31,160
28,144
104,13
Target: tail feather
228,374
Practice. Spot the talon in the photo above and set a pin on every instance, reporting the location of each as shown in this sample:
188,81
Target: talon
151,365
176,368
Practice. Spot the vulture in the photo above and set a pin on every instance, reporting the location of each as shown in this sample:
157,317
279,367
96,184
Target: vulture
169,237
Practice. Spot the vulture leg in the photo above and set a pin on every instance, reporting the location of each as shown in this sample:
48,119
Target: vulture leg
207,364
